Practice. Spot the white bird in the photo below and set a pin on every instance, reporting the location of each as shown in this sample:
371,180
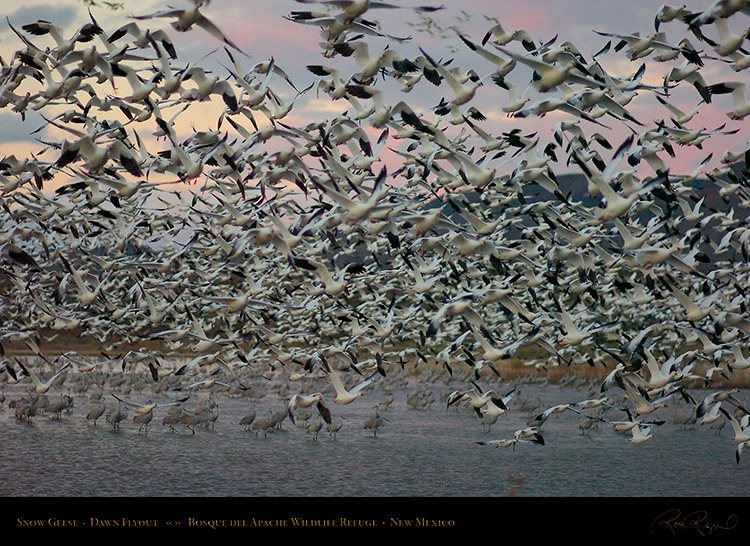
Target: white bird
41,387
660,376
501,36
526,435
344,396
353,9
476,399
740,362
302,401
505,442
550,76
143,409
737,89
643,405
741,428
503,66
529,433
693,312
463,92
668,13
186,18
559,408
712,415
640,434
331,286
730,41
718,397
678,115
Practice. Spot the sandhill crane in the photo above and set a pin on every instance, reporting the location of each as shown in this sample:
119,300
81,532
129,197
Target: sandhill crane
56,407
190,420
24,409
375,422
265,424
143,419
173,416
116,415
314,428
334,426
248,419
304,415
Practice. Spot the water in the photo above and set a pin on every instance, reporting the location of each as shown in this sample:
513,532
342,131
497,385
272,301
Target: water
425,453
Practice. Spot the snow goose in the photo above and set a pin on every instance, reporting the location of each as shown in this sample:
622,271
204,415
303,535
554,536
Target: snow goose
718,397
302,401
501,36
729,41
539,420
476,398
505,442
463,91
741,104
64,46
659,377
678,115
353,9
550,76
41,387
668,13
148,407
344,396
503,66
640,434
186,18
741,428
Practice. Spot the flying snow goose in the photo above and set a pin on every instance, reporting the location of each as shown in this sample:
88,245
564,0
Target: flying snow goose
186,18
550,76
344,396
41,387
741,104
302,401
353,9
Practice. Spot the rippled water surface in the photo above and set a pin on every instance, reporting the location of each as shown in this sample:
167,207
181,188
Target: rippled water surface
427,452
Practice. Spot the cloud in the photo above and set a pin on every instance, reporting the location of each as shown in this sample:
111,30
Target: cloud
61,16
14,129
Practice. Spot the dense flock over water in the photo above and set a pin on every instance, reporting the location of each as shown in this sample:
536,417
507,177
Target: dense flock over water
421,447
192,242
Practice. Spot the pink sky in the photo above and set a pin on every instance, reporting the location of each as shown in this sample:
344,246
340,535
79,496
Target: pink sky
260,29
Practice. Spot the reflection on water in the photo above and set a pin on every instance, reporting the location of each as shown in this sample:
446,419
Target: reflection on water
417,452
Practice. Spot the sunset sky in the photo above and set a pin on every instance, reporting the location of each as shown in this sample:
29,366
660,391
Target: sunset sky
260,29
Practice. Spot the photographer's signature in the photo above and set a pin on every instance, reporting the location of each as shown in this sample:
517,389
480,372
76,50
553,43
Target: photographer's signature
697,521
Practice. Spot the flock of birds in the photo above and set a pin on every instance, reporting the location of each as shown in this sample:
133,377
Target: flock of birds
389,235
